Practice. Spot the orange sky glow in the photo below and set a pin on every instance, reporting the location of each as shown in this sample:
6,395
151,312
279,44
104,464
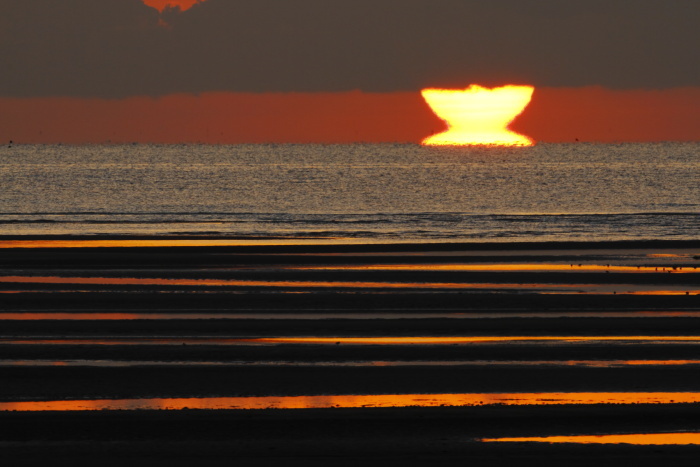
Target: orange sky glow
554,115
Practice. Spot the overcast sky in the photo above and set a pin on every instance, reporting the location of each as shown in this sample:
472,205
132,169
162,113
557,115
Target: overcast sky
119,48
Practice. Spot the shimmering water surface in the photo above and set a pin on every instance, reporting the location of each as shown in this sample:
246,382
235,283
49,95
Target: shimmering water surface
344,192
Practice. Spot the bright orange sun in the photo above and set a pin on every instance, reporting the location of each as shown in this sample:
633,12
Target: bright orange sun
478,115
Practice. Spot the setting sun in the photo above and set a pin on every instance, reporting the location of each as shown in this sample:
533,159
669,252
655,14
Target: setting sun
478,115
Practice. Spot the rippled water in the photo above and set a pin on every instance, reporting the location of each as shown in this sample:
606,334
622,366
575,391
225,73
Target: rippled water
372,192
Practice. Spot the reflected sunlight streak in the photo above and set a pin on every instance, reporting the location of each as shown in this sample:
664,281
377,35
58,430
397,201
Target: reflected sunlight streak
355,401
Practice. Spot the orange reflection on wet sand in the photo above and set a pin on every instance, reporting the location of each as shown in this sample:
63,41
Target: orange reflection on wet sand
421,340
662,292
602,289
471,339
163,243
250,283
627,289
376,315
248,314
640,439
668,255
613,363
115,316
355,401
540,267
132,341
359,363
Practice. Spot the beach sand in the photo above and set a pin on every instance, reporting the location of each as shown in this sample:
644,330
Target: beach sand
283,320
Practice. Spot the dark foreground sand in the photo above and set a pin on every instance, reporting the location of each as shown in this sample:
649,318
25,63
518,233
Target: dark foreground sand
413,436
353,436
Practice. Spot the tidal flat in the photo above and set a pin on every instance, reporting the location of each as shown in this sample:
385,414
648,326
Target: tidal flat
615,326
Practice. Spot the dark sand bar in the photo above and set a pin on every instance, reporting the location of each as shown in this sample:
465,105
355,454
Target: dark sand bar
98,319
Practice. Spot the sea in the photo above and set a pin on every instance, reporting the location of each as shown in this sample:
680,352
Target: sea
366,193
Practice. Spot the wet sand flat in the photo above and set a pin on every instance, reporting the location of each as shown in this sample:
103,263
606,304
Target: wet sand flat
227,320
368,436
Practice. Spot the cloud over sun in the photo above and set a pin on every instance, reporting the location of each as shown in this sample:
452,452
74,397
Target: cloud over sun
161,5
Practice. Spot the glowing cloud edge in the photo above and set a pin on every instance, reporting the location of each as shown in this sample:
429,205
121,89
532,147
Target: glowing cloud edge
162,5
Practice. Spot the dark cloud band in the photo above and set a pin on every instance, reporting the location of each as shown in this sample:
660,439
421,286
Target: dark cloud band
119,48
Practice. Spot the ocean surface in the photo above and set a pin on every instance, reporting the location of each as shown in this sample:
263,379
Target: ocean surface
359,192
